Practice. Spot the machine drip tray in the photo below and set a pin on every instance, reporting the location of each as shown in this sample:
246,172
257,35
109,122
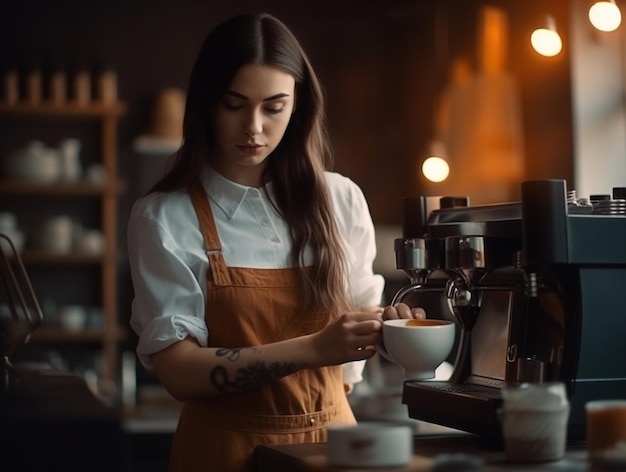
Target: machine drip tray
464,406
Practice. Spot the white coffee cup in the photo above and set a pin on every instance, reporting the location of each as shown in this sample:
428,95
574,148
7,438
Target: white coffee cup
418,346
58,234
91,241
73,317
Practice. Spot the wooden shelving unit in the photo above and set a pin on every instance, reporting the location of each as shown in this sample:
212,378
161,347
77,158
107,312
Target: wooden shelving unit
110,334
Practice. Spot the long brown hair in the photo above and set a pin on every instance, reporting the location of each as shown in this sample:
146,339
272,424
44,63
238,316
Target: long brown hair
296,167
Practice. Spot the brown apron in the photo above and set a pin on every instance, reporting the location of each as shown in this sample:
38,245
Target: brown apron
248,307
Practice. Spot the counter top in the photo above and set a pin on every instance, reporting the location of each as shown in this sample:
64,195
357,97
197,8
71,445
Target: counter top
312,457
51,420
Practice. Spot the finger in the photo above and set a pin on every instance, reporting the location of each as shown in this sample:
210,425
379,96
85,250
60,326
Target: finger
359,316
390,313
403,311
365,341
367,327
418,313
364,353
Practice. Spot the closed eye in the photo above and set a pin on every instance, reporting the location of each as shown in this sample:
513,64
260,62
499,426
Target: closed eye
274,104
274,111
232,105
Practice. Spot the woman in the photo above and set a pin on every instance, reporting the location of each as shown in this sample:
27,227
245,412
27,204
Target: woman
255,301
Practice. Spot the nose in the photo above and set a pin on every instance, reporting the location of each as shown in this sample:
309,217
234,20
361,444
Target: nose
254,125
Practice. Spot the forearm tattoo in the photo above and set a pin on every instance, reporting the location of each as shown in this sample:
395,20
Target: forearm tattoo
252,376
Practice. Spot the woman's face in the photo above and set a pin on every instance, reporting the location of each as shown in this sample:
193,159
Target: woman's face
250,121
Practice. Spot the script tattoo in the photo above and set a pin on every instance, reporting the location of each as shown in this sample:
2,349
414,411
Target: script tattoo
252,376
232,354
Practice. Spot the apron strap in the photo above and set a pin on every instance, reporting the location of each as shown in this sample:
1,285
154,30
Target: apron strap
213,247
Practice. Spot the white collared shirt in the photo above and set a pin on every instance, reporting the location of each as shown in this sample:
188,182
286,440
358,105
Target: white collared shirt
168,261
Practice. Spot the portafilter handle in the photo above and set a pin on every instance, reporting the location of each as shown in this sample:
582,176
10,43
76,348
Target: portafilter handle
463,301
465,262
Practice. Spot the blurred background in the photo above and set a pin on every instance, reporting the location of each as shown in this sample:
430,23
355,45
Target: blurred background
92,97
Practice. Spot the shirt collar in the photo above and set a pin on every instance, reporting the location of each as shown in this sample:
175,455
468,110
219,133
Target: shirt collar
226,194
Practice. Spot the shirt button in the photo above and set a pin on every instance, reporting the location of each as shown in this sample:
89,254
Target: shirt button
312,421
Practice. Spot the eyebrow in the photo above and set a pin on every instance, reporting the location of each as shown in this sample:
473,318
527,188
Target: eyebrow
268,99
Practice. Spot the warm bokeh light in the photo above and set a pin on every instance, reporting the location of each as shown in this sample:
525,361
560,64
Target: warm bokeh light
605,16
435,169
546,42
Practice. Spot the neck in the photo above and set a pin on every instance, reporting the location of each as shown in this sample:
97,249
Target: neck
251,176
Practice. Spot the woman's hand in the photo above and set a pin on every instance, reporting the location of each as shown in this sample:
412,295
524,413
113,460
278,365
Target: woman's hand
350,338
402,310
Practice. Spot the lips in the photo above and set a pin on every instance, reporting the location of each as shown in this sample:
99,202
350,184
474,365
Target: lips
250,148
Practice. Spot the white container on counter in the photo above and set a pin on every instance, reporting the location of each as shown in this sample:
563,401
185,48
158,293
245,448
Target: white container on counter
370,444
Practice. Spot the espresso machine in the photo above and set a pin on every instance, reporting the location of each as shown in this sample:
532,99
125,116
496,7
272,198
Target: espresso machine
536,288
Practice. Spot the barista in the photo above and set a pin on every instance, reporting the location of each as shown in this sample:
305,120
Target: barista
255,300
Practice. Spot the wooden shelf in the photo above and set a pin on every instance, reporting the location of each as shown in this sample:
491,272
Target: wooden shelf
60,188
151,145
58,196
95,110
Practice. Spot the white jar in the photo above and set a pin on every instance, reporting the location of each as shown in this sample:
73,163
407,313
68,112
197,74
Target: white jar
69,154
57,234
73,317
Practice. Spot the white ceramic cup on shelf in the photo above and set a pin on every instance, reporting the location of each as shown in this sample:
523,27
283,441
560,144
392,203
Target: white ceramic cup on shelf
91,241
8,221
58,234
69,154
72,317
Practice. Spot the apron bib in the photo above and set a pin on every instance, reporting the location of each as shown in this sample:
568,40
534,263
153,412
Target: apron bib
248,307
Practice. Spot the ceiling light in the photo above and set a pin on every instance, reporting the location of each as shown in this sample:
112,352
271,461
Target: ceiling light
546,41
605,15
435,169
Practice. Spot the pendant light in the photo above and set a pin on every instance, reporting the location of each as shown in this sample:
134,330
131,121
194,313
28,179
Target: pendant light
605,15
547,41
435,167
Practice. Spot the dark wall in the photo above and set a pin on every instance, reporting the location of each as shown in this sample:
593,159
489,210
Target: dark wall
380,63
